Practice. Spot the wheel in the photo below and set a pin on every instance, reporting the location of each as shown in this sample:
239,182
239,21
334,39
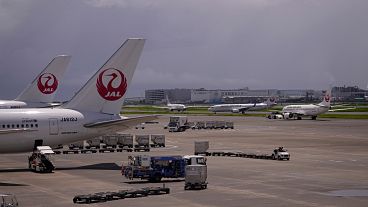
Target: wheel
299,118
314,117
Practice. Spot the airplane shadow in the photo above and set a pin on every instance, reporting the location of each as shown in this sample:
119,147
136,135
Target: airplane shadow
3,184
146,181
14,170
100,166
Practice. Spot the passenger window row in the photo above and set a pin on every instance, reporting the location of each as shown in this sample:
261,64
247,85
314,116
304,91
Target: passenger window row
17,126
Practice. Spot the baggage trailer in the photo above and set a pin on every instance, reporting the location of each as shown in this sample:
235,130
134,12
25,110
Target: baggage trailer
199,125
229,125
210,125
219,125
142,143
76,145
93,143
195,177
125,140
41,160
110,141
158,140
154,168
201,147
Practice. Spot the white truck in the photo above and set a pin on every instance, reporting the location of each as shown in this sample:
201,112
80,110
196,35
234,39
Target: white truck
178,123
280,153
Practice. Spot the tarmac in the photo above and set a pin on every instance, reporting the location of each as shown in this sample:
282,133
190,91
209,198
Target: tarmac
328,167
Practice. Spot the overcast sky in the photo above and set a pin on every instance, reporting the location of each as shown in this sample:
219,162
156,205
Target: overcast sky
260,44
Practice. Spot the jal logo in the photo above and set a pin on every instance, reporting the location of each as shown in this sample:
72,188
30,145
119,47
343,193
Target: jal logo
111,84
327,98
272,99
47,83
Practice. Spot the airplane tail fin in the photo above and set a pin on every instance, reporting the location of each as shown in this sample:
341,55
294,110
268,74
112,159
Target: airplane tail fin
270,101
104,92
167,99
326,99
43,88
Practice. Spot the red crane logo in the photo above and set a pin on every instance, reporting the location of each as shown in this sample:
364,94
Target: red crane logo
47,83
327,98
116,84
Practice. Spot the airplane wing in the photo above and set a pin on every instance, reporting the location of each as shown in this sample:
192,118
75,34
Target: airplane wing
123,123
11,131
342,109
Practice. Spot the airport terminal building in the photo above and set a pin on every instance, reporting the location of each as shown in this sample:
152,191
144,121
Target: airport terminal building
246,95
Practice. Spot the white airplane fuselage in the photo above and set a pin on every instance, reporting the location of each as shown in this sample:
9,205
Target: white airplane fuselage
305,110
176,107
54,126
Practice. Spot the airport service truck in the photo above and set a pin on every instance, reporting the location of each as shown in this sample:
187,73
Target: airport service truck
178,124
154,168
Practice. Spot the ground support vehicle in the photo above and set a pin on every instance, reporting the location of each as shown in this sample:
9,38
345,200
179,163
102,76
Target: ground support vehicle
125,140
219,125
195,177
201,147
41,160
76,145
121,194
158,140
199,125
142,143
280,153
229,125
110,141
8,200
275,115
210,125
178,124
154,168
93,143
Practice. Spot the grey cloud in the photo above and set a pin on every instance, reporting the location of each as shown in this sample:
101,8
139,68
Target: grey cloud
203,43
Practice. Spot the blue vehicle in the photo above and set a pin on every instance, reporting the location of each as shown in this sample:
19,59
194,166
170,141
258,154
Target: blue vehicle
154,168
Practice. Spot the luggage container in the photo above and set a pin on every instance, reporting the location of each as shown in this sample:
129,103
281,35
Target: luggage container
125,140
93,143
142,143
110,141
158,140
195,177
201,147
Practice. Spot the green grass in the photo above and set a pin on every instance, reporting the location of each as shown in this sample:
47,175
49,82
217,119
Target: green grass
344,116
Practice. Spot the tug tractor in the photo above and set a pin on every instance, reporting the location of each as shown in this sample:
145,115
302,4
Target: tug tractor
280,153
41,160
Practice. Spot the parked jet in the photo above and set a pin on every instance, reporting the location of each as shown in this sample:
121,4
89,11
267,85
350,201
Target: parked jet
311,110
93,111
242,108
42,90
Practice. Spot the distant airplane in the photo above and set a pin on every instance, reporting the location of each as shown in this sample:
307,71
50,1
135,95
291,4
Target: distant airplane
42,90
93,111
242,108
173,107
311,110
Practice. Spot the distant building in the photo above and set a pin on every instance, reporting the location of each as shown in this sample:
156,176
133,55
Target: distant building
158,96
348,93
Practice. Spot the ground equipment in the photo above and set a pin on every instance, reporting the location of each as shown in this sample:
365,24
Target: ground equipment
41,160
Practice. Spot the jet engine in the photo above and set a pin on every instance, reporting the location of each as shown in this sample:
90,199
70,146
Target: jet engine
235,110
288,115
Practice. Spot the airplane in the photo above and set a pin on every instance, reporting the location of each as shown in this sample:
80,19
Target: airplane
173,107
242,108
93,111
311,110
42,90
